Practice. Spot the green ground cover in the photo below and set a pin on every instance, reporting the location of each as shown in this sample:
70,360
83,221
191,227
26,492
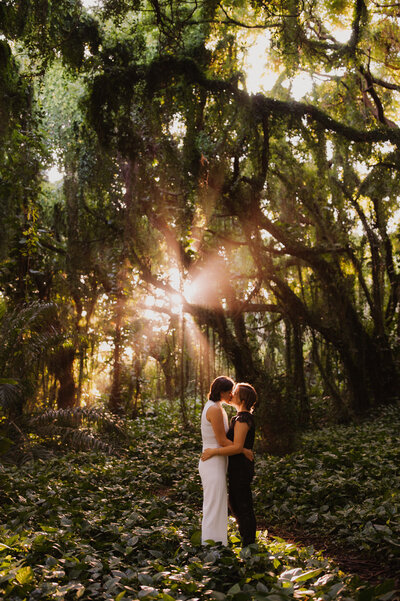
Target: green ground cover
90,526
345,484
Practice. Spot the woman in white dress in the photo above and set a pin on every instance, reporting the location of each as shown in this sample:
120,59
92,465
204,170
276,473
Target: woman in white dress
214,425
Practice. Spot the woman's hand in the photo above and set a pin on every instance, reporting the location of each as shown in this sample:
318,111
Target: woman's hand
207,454
248,453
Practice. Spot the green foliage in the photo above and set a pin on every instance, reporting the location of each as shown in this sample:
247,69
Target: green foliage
21,156
95,527
168,161
80,428
78,34
10,394
45,26
344,483
56,431
27,334
11,87
277,419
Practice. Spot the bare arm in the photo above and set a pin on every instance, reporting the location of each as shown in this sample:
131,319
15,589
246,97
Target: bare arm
235,447
215,417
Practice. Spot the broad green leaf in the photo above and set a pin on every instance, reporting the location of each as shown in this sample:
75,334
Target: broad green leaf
307,575
195,539
290,575
218,596
3,546
24,575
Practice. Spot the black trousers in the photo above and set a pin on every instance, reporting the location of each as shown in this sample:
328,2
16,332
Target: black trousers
241,503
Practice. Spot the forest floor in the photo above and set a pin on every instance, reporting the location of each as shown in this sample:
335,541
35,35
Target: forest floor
91,526
340,493
370,569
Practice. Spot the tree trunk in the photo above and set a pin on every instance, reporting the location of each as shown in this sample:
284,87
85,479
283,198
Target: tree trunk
182,399
115,400
167,364
63,370
201,369
299,380
372,374
324,366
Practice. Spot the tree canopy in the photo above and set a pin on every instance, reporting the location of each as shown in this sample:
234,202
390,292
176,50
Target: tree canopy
208,219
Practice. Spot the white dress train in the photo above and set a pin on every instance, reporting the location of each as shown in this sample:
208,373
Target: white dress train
213,478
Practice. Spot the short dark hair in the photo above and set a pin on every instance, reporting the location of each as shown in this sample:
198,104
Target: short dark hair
220,384
247,394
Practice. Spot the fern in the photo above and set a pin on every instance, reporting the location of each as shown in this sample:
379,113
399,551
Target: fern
26,335
10,394
84,441
80,416
81,429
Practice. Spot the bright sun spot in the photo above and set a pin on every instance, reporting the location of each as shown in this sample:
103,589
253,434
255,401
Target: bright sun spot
105,347
259,78
129,353
177,127
54,175
174,277
185,290
342,35
154,305
89,4
158,304
262,78
299,86
176,303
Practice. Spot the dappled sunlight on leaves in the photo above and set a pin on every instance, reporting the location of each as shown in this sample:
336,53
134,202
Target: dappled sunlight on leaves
89,526
344,484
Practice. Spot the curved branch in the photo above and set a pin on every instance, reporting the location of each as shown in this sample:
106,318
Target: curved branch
300,109
162,70
378,112
385,84
359,9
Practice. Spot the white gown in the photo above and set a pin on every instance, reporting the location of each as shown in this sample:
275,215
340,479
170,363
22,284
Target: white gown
213,478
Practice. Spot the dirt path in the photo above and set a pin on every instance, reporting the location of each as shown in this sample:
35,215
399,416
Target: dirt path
370,569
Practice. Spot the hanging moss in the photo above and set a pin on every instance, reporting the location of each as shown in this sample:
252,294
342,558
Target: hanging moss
78,34
10,86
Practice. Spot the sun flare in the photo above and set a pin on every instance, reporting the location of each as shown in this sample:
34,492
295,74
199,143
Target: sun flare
186,290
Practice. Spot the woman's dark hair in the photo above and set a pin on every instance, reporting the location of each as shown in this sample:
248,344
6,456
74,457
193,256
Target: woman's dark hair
247,395
220,384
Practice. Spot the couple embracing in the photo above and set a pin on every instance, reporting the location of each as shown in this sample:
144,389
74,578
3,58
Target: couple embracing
220,442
